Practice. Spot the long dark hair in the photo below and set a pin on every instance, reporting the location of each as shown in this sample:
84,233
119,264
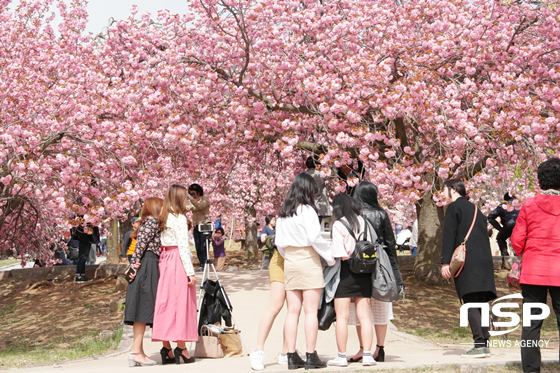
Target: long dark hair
302,191
345,206
366,194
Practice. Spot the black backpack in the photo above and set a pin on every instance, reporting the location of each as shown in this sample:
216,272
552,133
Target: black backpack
364,258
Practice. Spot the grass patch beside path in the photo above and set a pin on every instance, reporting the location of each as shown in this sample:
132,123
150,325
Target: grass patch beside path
8,262
22,353
56,321
432,313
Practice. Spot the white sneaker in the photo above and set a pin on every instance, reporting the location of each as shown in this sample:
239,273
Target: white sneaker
338,362
257,360
368,361
282,360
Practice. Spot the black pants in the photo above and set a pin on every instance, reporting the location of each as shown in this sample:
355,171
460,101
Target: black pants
501,238
83,253
480,334
531,356
200,245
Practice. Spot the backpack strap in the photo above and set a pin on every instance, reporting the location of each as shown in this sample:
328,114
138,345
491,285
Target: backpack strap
364,233
347,226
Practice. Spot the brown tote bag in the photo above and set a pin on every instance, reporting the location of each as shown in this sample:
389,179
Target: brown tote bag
460,252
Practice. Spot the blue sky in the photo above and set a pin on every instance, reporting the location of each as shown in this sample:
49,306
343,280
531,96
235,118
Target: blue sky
100,11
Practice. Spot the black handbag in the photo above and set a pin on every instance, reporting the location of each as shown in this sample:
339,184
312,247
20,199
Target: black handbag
326,314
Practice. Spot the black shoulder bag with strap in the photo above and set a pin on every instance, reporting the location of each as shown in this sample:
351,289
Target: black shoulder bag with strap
365,252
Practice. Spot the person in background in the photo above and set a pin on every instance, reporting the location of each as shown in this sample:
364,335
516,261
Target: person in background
414,238
299,241
367,194
536,237
103,241
218,222
321,199
268,230
351,286
277,298
475,283
86,236
218,241
508,215
200,207
402,239
129,242
175,307
141,291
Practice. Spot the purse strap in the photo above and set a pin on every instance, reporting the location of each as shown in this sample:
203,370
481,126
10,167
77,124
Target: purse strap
472,225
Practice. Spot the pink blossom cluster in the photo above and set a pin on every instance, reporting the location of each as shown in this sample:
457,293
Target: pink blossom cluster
235,94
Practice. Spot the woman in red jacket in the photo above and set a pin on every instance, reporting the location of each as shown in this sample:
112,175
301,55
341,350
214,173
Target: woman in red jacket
536,236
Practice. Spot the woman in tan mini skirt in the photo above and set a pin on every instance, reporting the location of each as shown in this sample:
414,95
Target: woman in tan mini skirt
299,241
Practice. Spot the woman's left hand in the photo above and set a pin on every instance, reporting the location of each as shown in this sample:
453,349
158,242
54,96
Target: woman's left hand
192,280
445,272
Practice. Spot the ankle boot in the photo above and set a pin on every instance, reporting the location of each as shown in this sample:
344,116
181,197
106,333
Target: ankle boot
380,355
313,361
294,361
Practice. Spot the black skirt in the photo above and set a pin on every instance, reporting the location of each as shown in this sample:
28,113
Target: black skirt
353,285
141,293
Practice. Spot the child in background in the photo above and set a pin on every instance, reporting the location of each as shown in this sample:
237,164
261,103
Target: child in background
219,248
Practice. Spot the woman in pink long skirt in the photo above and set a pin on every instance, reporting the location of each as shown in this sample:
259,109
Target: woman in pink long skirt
175,310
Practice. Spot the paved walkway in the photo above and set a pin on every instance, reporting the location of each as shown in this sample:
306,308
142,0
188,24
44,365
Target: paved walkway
99,259
248,292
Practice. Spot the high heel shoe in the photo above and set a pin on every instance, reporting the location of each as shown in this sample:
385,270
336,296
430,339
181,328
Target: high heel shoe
380,355
134,363
165,359
179,354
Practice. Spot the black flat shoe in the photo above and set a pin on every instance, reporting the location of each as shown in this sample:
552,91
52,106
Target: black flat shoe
165,359
179,354
380,355
355,360
295,361
313,361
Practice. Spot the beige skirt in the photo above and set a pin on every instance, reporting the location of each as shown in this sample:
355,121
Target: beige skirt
302,269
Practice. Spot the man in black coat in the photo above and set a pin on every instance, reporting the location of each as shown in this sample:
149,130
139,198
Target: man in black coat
507,218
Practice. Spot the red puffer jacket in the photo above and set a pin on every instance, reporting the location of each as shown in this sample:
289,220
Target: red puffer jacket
537,236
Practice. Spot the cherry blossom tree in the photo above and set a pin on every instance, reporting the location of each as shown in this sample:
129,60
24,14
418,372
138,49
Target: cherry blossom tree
237,93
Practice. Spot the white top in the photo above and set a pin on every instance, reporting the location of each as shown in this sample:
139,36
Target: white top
414,238
301,230
343,244
177,234
403,235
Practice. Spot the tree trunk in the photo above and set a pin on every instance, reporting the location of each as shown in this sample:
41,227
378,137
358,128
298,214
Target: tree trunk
430,230
113,247
251,235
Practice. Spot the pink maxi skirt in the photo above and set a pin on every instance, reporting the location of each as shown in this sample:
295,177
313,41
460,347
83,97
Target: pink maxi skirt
175,310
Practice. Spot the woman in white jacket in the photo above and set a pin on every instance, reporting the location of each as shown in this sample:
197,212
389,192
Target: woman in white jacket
175,311
299,241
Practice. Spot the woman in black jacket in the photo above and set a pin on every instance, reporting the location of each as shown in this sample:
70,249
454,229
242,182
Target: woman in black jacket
366,194
475,282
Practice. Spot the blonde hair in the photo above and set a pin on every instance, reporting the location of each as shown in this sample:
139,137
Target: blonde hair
175,203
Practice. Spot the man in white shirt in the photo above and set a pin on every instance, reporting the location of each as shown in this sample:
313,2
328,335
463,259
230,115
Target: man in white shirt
414,238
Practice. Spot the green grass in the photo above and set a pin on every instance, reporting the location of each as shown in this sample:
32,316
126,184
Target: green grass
8,262
19,353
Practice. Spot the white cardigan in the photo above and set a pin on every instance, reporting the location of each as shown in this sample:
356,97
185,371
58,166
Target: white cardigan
177,234
303,229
